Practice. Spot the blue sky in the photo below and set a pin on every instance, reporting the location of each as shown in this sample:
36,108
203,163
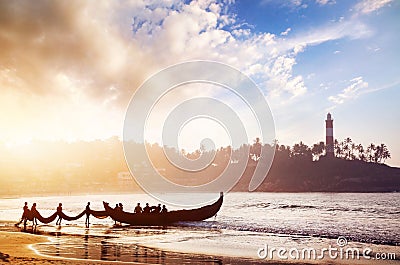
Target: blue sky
69,70
368,115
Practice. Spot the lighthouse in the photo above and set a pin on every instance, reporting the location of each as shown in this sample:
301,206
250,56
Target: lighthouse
329,136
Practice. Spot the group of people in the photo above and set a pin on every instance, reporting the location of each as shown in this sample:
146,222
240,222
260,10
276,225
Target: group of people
30,214
150,209
27,213
87,209
146,209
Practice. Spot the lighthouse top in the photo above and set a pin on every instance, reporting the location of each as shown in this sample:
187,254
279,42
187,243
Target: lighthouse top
329,117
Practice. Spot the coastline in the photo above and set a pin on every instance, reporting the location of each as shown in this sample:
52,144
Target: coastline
232,238
17,248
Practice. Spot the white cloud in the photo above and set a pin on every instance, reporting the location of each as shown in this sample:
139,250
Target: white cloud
357,87
310,76
286,32
194,32
142,37
352,29
299,48
268,58
109,48
282,81
368,6
291,4
325,2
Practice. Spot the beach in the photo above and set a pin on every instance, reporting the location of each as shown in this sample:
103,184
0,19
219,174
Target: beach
16,248
204,132
247,227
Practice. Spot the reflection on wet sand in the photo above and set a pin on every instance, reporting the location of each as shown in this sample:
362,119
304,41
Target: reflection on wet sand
107,244
103,248
86,244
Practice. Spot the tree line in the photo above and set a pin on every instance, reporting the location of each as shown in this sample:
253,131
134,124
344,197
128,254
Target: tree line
346,149
95,165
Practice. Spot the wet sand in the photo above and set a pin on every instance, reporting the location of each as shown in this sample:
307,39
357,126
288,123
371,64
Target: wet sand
16,248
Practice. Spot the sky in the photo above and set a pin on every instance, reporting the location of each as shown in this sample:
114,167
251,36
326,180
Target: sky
69,69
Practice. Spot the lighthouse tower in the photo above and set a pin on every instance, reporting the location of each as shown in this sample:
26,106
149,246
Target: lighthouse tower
329,136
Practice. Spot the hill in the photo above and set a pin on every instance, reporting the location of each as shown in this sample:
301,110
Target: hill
326,175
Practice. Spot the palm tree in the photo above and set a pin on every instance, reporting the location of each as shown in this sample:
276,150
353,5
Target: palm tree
353,151
338,149
345,150
284,151
386,155
302,150
371,152
383,153
255,149
361,152
348,143
318,150
275,142
378,153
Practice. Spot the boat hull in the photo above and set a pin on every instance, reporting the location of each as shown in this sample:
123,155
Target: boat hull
148,219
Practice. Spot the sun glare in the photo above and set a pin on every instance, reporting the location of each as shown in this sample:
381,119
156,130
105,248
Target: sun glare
192,134
13,144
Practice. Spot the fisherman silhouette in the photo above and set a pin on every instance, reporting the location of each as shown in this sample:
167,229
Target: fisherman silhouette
59,210
138,209
25,212
146,209
116,208
87,214
157,209
25,215
33,212
164,209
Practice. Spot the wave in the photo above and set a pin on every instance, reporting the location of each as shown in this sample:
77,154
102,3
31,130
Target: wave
276,206
272,206
288,232
294,206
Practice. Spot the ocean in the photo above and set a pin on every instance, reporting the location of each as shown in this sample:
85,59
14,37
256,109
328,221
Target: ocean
245,225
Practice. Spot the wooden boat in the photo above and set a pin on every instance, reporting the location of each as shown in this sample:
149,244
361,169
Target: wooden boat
167,218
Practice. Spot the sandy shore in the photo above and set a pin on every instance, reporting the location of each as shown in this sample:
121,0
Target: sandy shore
15,248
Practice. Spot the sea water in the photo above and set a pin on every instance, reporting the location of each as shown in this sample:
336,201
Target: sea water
245,224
